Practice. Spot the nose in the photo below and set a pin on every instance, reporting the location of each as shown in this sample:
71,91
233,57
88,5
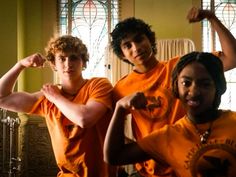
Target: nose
68,62
194,90
135,46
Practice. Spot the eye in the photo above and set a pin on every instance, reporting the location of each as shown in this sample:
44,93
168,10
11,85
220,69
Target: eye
127,46
74,57
186,83
61,58
207,84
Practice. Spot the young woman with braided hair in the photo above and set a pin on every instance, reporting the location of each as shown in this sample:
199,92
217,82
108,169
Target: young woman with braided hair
200,144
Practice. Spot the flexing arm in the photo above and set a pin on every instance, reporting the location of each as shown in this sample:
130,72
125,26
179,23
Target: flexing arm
18,101
116,152
227,40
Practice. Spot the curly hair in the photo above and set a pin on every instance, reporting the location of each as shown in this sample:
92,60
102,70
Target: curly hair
131,26
212,64
66,43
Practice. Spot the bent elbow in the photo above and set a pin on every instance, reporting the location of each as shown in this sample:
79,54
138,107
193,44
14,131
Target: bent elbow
109,159
81,120
84,123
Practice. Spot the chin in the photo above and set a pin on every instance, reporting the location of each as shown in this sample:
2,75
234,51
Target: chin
195,112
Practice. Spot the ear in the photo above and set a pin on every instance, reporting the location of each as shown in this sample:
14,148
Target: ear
83,64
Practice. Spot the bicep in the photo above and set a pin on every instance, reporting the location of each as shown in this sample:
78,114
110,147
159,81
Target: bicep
19,101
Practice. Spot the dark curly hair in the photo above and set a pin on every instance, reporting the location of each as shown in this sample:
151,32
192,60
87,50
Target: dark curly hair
131,26
212,64
66,43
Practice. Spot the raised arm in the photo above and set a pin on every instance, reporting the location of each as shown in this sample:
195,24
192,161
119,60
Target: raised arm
18,101
116,152
227,40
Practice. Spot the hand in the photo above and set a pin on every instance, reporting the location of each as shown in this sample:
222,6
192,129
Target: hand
133,101
196,14
35,60
51,92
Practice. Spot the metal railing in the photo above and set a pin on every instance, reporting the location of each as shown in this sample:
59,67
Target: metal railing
10,163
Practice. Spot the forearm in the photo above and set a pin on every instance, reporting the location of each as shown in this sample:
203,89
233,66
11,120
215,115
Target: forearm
73,111
115,138
83,115
8,80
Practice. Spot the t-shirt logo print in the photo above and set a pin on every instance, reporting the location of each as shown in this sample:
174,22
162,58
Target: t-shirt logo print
153,102
216,158
217,167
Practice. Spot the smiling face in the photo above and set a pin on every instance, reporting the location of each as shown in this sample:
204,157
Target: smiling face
137,49
196,89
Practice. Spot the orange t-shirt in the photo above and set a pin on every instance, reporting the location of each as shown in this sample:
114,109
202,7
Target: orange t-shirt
79,151
156,84
179,146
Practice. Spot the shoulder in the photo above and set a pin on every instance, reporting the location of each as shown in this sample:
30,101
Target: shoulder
168,129
99,81
170,63
177,127
172,60
125,78
227,114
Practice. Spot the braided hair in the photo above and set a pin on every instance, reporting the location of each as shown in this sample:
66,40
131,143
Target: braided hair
212,64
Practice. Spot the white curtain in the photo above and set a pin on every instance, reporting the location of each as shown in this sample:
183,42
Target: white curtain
168,48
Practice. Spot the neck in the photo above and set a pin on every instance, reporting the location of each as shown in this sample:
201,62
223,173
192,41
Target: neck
207,119
207,116
72,88
145,67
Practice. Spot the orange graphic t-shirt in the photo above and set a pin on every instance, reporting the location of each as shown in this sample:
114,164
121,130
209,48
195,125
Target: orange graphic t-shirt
180,146
156,85
79,151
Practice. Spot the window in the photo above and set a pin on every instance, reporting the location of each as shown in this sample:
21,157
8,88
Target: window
225,10
91,21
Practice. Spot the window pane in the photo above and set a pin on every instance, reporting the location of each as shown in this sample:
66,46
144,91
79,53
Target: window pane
228,100
225,10
91,21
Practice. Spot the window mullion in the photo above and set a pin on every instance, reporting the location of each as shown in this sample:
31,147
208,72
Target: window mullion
69,17
213,35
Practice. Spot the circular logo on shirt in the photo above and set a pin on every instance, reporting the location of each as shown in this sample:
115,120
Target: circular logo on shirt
214,160
158,106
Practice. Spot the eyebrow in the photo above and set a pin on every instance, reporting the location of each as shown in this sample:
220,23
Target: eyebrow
202,79
124,41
